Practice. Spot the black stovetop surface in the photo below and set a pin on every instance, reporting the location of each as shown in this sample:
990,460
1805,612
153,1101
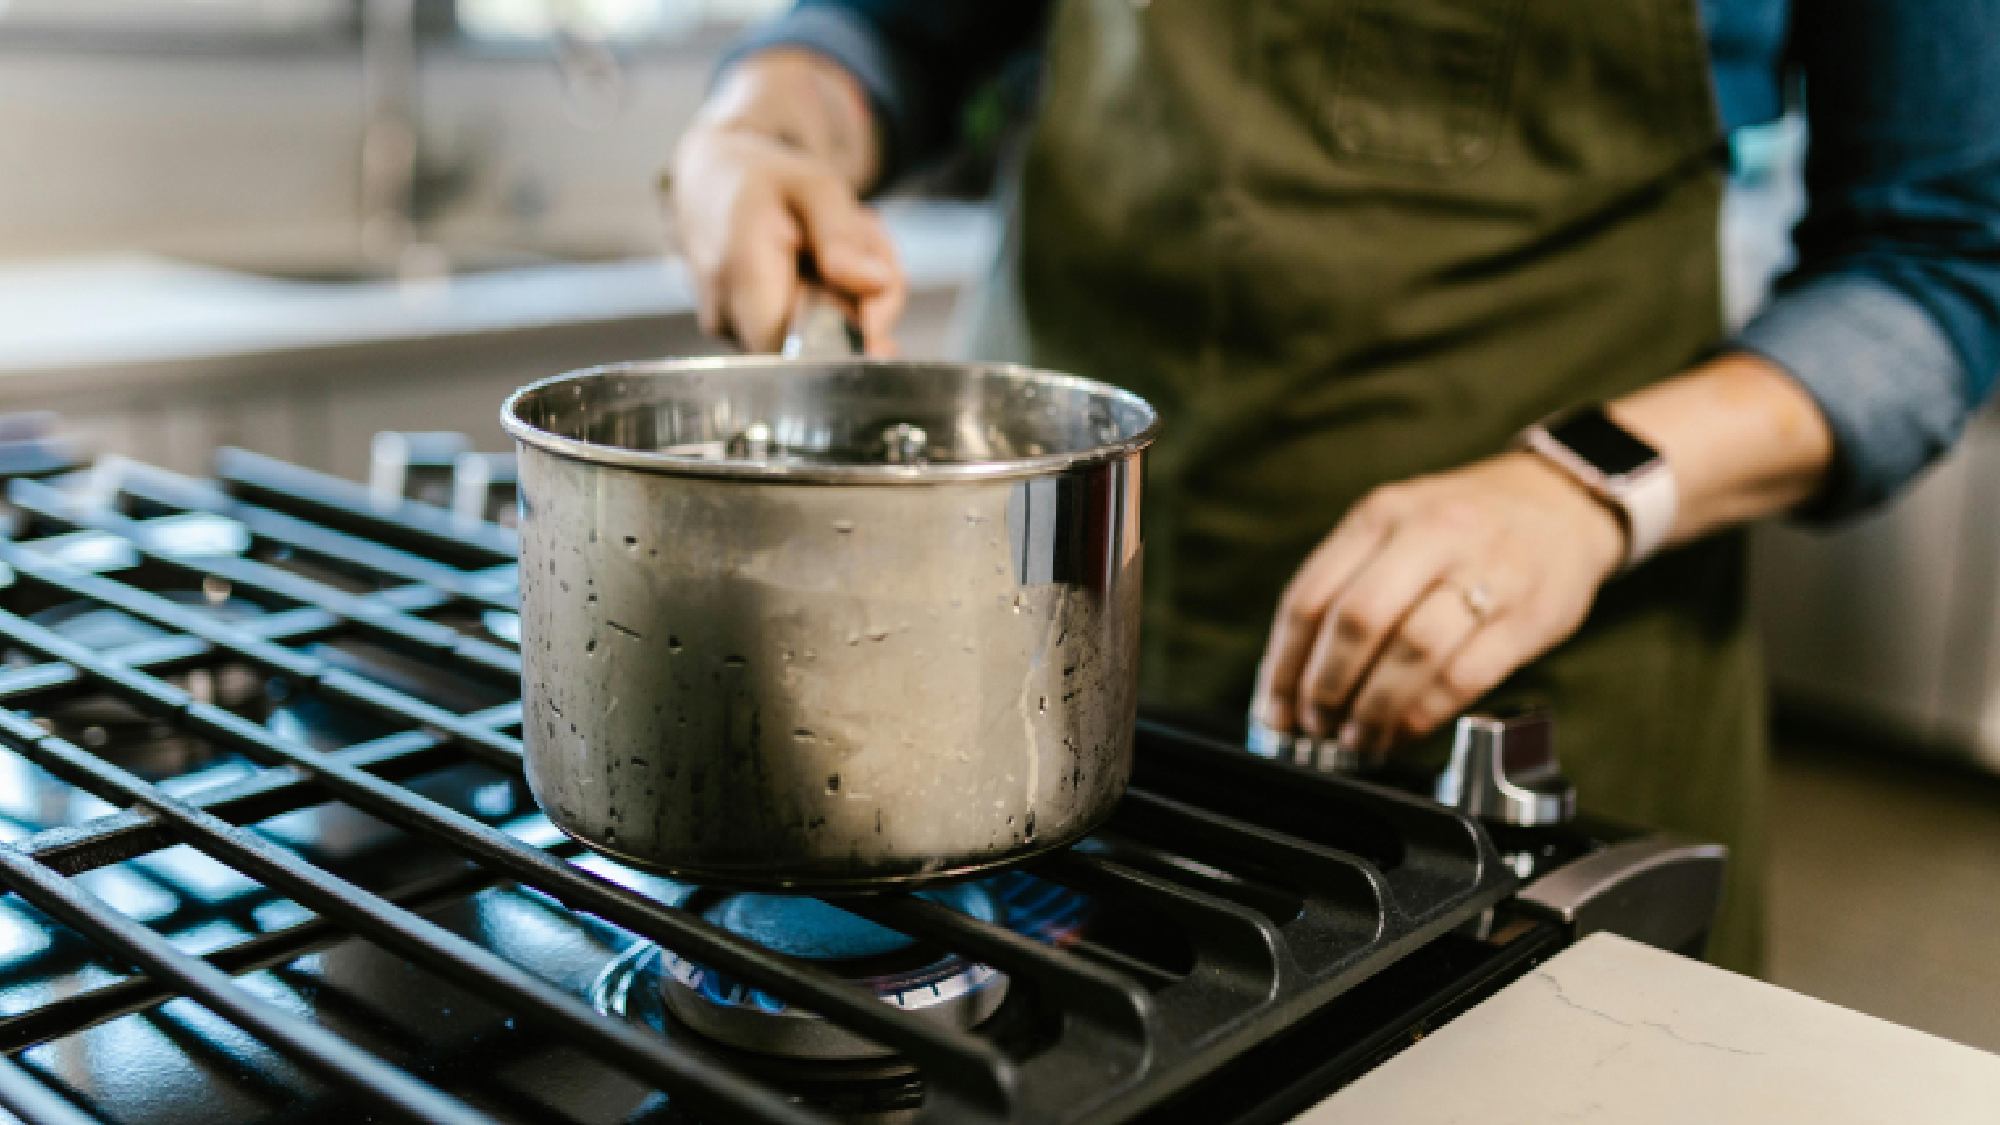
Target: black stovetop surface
272,649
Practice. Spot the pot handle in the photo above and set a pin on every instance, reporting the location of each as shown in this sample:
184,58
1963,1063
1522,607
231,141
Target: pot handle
820,327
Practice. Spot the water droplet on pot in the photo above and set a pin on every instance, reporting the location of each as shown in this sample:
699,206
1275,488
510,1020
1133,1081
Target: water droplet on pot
631,542
1020,604
833,783
804,735
590,645
1028,825
845,527
673,643
1042,705
734,662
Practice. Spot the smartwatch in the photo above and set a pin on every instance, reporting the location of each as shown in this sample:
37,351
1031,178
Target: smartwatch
1616,466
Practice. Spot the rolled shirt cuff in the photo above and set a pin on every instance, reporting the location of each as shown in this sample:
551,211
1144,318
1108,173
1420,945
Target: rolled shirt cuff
1884,374
853,43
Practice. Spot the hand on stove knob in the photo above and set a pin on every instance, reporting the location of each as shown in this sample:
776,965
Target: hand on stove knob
768,177
1428,594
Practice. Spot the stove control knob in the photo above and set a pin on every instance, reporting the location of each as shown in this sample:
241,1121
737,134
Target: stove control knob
1504,770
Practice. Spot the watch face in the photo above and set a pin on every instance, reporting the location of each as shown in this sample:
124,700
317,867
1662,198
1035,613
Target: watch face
1605,444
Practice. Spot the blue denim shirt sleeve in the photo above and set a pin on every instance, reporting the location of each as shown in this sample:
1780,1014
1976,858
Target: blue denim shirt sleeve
1891,319
918,60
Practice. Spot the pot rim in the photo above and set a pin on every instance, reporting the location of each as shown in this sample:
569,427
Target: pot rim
672,464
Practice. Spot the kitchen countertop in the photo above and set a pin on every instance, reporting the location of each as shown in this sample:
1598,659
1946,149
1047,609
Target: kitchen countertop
1613,1031
99,315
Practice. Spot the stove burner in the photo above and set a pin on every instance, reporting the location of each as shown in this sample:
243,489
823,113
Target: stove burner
662,988
878,1090
944,987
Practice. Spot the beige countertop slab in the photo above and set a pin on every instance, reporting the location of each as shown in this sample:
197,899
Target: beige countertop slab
1617,1032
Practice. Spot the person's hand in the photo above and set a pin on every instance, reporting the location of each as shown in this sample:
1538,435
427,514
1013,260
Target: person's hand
764,185
1428,594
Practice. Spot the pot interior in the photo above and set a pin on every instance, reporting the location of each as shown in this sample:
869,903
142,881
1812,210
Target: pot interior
902,420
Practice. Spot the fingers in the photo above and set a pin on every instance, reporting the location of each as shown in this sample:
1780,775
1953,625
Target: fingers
758,282
878,311
1359,623
878,317
1492,652
848,245
751,213
687,236
1325,574
739,239
1402,695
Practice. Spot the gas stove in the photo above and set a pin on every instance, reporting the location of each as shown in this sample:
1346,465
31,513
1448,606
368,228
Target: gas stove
270,857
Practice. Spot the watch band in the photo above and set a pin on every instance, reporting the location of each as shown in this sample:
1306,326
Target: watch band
1651,500
1616,466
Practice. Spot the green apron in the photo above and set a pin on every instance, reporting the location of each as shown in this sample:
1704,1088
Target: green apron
1345,242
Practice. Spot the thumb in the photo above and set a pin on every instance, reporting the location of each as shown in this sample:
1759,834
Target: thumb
840,236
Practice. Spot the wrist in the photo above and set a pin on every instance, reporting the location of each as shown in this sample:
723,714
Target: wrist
1745,440
803,100
1616,467
1601,533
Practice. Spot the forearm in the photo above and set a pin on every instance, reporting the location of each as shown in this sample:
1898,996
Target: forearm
805,101
1743,438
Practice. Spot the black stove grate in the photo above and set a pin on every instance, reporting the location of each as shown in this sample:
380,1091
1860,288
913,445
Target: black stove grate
1282,889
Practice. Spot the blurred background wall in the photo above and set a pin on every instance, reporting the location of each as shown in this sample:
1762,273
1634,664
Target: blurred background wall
249,129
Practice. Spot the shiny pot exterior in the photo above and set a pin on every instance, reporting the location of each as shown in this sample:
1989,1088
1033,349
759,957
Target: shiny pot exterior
871,656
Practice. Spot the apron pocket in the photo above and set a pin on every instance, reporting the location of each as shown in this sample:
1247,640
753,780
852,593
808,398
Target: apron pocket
1422,83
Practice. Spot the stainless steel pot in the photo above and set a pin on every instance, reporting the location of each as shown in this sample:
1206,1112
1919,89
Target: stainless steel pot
827,624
